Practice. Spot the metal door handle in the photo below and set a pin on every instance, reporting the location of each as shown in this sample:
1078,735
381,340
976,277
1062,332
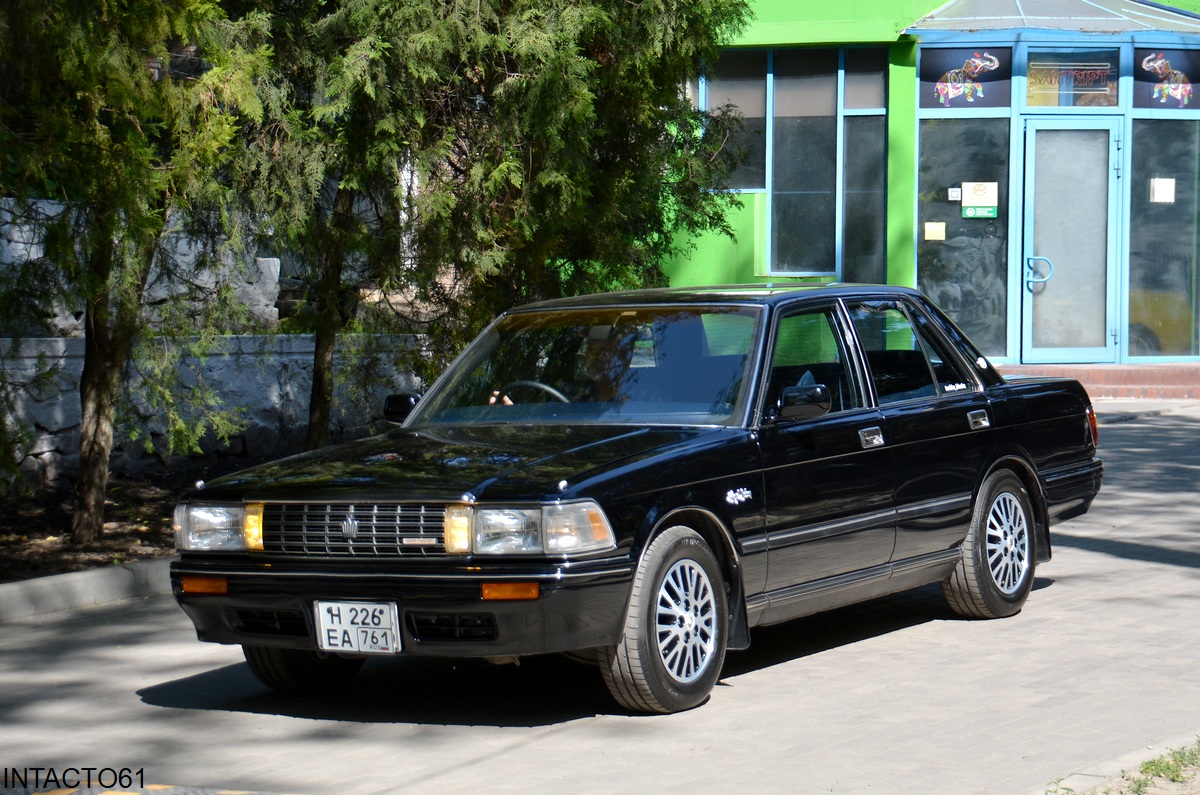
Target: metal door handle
1030,277
979,420
871,437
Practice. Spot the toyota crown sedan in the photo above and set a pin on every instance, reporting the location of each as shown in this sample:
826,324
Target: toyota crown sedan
641,479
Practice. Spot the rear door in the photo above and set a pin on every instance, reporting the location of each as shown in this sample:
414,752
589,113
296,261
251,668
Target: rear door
936,419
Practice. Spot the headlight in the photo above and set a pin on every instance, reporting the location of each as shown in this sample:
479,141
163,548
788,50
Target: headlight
550,529
218,527
500,531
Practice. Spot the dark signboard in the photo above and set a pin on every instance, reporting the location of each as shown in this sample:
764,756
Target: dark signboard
1163,78
966,78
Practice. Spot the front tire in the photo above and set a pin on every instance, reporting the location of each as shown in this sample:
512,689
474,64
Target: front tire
297,670
995,572
676,627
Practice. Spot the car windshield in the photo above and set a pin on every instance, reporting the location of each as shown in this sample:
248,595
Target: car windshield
659,365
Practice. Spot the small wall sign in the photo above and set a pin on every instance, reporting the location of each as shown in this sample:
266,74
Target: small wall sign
980,199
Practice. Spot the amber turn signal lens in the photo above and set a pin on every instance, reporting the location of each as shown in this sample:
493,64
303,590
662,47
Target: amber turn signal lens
252,526
497,591
210,585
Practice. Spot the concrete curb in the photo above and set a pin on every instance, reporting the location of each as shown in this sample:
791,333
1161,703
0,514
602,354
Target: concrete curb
1101,776
1110,411
60,592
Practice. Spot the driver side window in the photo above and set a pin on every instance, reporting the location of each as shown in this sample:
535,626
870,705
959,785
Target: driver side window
809,352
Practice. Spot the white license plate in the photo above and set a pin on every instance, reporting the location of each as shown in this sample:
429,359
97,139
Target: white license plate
357,627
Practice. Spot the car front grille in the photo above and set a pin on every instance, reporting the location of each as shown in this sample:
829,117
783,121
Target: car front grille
354,529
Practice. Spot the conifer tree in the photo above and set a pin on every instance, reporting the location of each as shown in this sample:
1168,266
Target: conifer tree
114,117
465,157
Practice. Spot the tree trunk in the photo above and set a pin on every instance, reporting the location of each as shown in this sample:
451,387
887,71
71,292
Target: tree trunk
328,319
97,396
108,343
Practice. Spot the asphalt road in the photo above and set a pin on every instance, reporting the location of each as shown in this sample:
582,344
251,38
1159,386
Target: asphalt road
897,696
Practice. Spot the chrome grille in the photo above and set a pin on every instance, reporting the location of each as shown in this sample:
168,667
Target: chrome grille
354,529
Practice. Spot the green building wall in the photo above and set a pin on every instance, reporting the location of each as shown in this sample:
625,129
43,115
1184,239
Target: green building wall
715,259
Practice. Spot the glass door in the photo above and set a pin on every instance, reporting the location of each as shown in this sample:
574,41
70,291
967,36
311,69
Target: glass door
1068,263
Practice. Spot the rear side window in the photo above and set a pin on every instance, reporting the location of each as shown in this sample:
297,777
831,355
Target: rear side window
907,359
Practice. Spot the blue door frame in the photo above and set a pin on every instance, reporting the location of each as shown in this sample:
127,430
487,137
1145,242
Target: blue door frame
1069,274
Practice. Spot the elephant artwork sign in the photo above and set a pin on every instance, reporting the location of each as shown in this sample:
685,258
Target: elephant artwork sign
1163,78
966,78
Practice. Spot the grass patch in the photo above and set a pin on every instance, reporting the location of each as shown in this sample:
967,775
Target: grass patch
1177,765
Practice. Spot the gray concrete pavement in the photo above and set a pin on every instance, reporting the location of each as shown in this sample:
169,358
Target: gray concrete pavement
897,696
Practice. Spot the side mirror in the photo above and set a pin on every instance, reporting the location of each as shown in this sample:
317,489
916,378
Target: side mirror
804,402
396,408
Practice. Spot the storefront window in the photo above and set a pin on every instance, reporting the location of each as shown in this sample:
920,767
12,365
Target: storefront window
804,165
1164,238
825,147
962,262
864,205
1072,79
740,79
866,78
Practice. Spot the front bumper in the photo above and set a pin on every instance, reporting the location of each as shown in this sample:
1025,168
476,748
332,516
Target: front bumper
441,613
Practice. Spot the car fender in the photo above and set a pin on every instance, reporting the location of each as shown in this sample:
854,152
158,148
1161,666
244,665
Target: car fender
715,531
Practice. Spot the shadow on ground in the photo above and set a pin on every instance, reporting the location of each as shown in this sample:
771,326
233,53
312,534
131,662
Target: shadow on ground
541,691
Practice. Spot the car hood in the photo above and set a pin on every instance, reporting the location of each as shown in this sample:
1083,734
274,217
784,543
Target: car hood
505,462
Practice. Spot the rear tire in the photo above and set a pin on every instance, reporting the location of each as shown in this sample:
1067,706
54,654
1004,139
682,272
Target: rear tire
676,627
995,572
297,670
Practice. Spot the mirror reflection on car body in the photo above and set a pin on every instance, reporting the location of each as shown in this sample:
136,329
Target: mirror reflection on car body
641,479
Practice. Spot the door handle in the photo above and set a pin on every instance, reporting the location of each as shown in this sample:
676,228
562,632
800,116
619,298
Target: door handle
979,420
1031,277
871,437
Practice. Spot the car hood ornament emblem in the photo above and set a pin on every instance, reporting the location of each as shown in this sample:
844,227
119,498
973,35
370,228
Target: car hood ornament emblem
350,525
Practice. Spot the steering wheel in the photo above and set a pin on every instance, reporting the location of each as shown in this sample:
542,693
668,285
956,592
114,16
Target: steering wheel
549,390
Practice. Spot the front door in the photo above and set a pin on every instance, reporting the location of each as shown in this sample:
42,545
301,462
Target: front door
828,479
1068,263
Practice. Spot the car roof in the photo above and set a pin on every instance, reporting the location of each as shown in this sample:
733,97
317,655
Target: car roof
746,294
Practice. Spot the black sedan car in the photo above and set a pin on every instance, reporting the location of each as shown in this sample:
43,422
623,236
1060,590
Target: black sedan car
642,478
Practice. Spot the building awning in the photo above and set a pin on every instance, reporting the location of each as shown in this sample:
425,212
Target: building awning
1065,16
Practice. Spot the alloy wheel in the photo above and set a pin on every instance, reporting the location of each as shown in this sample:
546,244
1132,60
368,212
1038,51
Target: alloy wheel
686,622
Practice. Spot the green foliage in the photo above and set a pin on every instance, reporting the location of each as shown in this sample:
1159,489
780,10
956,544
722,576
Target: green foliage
1177,765
1174,765
496,152
458,158
115,119
557,153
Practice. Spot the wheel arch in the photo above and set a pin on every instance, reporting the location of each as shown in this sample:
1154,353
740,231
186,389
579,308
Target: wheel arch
1027,474
716,534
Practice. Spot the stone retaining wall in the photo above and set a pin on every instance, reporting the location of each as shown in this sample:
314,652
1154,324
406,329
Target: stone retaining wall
269,377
